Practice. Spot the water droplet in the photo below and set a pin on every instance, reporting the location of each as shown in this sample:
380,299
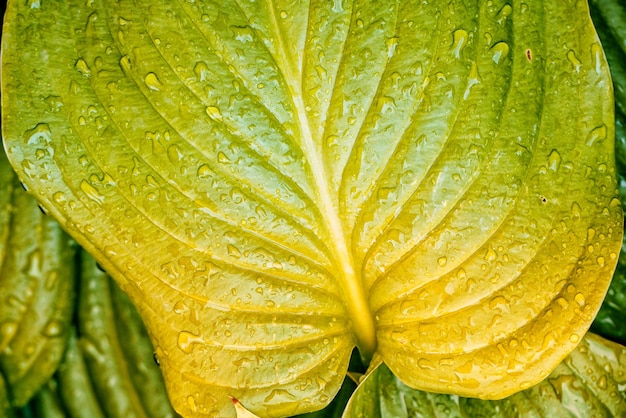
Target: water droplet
597,134
472,80
40,135
442,261
574,338
359,23
54,328
602,382
191,403
580,299
201,70
499,302
222,158
243,34
214,113
91,192
204,171
233,251
392,44
554,160
504,12
82,67
180,308
491,254
572,58
152,82
58,197
615,202
590,234
425,364
600,261
596,57
174,154
459,40
576,211
186,340
7,332
499,51
283,14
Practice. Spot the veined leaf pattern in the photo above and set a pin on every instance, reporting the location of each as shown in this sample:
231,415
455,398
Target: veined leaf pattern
589,382
275,182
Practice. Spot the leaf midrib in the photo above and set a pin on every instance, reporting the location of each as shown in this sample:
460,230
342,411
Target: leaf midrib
349,280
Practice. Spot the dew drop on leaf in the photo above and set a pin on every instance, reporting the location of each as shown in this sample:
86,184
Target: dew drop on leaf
201,70
214,113
596,57
504,12
7,332
204,171
597,134
459,40
554,160
573,59
58,197
191,402
91,192
580,299
186,340
499,51
54,328
82,67
152,82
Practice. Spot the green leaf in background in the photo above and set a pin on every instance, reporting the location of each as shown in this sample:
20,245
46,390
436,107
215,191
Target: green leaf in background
612,315
5,401
273,183
608,18
36,290
590,382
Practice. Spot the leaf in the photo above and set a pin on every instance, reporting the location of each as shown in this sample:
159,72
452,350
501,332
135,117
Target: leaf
36,290
274,183
608,17
612,314
591,381
101,345
74,384
5,402
139,356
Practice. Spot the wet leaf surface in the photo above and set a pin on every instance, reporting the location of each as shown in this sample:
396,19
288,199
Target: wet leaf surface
273,184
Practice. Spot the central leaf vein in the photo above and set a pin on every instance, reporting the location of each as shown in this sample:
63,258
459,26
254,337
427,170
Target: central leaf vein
350,281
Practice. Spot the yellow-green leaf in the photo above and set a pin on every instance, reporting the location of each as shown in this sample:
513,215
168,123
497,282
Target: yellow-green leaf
273,183
590,382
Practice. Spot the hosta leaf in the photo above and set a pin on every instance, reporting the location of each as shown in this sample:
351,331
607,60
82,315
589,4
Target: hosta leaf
36,290
612,314
5,402
7,184
591,381
273,183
